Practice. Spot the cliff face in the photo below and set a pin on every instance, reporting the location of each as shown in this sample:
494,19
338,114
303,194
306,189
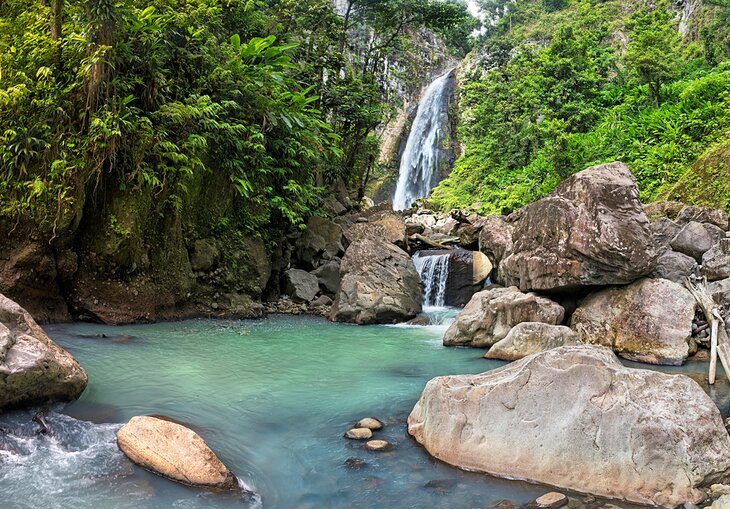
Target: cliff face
128,256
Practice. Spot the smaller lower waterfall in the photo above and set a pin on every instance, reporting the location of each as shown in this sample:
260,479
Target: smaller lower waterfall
434,272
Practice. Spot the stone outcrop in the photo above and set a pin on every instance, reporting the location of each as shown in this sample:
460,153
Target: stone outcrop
528,338
379,284
591,231
174,451
648,321
321,241
674,266
495,238
383,225
575,418
32,367
328,276
491,314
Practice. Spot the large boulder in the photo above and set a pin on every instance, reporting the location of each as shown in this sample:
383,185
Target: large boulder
205,255
716,261
491,314
664,230
300,285
383,225
592,230
174,451
528,338
321,241
575,418
380,284
32,367
328,276
647,321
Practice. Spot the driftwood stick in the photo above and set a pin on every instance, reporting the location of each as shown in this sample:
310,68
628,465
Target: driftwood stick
430,242
719,343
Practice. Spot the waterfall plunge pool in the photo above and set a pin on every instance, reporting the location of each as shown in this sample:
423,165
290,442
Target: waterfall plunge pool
271,397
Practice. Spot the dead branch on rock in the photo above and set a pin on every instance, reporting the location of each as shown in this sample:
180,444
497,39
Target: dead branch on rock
719,342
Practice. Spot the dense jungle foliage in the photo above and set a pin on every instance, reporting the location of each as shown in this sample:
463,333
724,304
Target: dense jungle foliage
283,96
555,86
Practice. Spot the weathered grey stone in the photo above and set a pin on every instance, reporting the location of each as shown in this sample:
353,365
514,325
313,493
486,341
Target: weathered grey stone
674,266
322,301
174,451
383,225
379,284
321,241
32,367
300,285
693,240
328,276
590,231
716,217
648,321
664,230
491,314
716,261
527,338
575,418
205,255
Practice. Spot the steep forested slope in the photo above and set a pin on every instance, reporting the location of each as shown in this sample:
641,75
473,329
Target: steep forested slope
555,86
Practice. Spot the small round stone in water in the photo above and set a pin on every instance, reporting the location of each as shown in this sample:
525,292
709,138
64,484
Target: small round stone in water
370,423
359,434
378,445
551,500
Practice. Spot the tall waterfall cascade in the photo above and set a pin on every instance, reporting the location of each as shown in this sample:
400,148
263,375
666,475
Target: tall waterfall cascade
419,166
434,272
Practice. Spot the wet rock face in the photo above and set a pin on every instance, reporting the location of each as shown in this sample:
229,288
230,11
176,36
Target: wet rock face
32,367
379,284
491,314
174,451
599,427
591,231
648,321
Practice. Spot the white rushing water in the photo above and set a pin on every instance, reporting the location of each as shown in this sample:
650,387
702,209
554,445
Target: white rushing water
420,161
434,272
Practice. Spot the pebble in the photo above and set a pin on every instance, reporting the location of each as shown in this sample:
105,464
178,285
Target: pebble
378,445
551,500
370,423
359,434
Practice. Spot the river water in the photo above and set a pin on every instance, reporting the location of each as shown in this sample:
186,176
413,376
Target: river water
271,397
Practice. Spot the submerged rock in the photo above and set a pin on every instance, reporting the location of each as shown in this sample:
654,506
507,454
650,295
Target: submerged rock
592,230
528,338
491,314
575,418
32,367
173,451
648,321
380,284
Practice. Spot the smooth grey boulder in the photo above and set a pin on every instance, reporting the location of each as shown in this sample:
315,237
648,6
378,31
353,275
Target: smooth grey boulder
591,231
32,367
491,314
575,418
693,240
528,338
328,276
716,261
674,266
380,284
300,285
648,321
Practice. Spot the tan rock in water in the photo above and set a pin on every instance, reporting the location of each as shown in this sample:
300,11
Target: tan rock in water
359,434
174,451
370,423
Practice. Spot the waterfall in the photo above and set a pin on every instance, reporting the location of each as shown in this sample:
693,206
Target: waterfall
434,272
419,164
